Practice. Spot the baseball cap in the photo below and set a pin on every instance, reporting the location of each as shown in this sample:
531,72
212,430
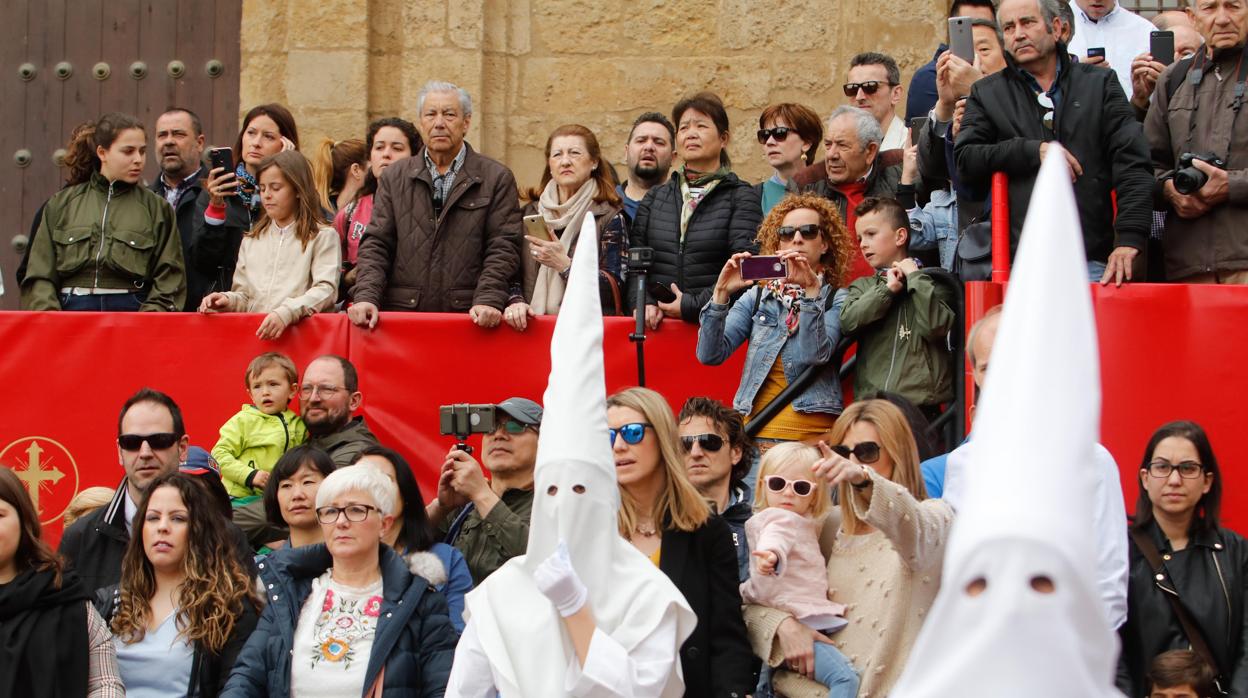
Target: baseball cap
522,410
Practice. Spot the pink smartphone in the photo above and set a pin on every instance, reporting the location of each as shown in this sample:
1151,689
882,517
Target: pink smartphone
762,268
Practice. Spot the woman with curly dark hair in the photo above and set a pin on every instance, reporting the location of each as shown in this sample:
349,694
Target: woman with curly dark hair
185,605
792,322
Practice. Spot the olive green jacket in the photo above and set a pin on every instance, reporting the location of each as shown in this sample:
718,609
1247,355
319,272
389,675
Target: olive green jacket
486,543
106,235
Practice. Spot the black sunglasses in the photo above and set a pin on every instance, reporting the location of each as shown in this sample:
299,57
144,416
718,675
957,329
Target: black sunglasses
709,442
870,87
867,451
512,426
778,132
801,488
158,441
810,232
1046,103
632,433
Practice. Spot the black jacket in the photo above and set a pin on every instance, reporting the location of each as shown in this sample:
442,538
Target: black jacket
214,248
1210,575
716,660
209,670
1002,130
186,209
725,222
414,640
882,181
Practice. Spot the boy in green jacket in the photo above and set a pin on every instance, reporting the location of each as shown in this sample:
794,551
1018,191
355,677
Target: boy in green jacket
899,316
252,440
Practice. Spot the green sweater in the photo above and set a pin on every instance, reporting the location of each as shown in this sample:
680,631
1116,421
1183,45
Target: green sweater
251,441
902,345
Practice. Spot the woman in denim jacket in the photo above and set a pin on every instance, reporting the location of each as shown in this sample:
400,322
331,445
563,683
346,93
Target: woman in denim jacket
791,323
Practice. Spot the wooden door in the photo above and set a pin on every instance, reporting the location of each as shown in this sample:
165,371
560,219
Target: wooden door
64,62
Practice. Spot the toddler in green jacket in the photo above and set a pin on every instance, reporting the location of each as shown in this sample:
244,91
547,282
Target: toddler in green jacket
900,317
252,440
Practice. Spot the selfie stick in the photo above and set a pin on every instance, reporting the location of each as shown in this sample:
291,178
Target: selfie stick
639,261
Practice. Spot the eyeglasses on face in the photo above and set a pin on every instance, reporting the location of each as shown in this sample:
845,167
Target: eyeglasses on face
158,441
355,513
869,87
632,433
780,133
809,232
308,391
1188,470
710,443
513,427
866,452
801,488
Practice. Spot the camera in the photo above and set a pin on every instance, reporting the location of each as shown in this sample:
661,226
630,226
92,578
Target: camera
463,419
1187,179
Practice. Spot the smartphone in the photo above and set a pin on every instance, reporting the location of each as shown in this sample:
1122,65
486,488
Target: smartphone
463,419
222,158
916,125
961,42
1161,46
1096,52
660,292
762,268
535,225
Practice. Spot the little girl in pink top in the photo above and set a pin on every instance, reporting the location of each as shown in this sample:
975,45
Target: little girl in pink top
788,571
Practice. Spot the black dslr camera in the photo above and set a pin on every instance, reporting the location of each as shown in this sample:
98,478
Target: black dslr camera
1187,179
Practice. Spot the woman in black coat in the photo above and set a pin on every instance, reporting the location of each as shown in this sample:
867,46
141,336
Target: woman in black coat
700,217
1205,564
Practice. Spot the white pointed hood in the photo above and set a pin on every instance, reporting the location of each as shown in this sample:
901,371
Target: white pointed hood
1027,513
575,500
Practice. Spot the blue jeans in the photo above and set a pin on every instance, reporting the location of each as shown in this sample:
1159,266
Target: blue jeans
106,302
1095,271
833,670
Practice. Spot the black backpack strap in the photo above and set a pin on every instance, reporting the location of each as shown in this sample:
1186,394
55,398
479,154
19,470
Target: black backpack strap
1176,76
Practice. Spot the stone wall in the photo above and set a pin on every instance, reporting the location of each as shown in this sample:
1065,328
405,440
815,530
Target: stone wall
531,65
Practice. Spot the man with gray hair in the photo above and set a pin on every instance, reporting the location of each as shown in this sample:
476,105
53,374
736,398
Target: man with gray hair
445,231
851,149
1042,97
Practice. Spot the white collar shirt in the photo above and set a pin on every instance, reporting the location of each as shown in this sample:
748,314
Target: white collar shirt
1122,33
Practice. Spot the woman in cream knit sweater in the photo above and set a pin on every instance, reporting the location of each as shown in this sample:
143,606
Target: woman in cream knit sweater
884,546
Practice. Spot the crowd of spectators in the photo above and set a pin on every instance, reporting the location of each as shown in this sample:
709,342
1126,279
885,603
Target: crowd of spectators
296,555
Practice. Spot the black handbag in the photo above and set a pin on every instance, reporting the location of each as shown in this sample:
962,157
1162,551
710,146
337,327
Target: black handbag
973,261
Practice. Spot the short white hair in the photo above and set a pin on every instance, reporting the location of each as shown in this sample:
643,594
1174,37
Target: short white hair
365,479
438,86
867,128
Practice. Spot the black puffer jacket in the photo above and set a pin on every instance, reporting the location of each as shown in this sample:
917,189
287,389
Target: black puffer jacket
725,222
214,248
1209,575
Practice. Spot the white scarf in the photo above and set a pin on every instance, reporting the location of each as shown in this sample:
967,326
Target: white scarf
548,291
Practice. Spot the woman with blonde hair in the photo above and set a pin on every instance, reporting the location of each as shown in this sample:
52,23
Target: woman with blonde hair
884,545
664,517
185,605
338,171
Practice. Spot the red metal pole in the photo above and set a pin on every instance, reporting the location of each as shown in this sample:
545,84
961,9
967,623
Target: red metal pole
1000,228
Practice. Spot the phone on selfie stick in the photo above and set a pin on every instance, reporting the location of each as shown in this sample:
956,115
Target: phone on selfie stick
640,259
463,419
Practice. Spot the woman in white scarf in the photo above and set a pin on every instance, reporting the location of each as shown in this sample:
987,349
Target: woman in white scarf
577,180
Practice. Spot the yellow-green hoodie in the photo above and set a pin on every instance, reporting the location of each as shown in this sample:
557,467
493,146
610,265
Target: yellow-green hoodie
251,441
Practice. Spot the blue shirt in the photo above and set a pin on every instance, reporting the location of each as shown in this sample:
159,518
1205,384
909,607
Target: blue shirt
630,205
157,666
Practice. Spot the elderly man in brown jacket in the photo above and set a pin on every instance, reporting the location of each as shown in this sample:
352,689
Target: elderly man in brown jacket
1206,236
445,231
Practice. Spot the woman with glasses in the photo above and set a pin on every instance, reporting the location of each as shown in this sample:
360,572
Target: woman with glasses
1181,556
414,538
186,603
884,544
347,617
792,321
665,518
790,134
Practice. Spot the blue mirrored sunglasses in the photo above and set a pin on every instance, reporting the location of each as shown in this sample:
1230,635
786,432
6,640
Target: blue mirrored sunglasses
632,433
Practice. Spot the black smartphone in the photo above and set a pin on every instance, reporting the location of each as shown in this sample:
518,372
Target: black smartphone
1097,52
1161,46
961,41
222,158
916,125
763,268
660,292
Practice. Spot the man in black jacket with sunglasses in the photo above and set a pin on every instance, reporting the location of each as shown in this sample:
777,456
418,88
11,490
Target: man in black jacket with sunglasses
1042,97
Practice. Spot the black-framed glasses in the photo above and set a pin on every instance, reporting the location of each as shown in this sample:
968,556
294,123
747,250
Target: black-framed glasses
308,391
810,232
513,426
1046,103
1188,469
710,443
870,87
355,513
632,433
801,488
158,441
866,452
778,132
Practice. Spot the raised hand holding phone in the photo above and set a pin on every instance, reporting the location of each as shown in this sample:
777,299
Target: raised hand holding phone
730,280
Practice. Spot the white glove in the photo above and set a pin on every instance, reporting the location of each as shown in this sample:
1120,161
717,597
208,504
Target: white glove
558,581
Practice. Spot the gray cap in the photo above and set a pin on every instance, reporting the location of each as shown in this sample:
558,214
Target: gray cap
522,410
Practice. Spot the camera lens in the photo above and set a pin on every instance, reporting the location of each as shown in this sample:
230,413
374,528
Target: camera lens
1189,180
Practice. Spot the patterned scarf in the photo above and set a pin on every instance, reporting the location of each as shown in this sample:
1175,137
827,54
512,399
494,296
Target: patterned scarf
703,183
787,294
248,189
